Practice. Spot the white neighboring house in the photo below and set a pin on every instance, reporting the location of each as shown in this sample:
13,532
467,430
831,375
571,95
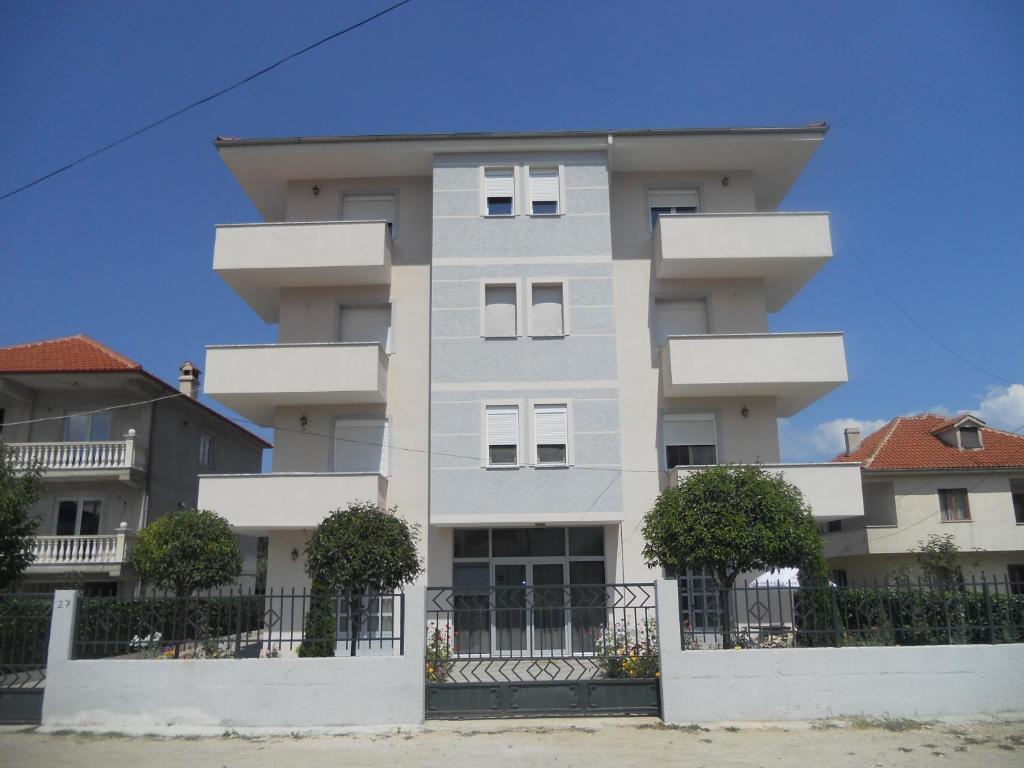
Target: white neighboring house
518,339
929,474
112,463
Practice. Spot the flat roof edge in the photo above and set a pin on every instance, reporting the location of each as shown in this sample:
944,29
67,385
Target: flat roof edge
819,129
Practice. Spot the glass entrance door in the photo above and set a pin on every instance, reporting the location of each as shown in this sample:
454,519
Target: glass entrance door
530,609
510,633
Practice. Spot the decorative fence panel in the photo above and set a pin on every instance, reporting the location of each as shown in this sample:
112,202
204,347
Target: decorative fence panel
24,643
240,625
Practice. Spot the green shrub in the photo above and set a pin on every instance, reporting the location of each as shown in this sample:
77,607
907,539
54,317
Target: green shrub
24,630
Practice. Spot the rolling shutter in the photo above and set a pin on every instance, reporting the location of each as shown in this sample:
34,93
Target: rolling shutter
499,182
368,208
502,425
679,318
500,310
547,311
686,198
361,446
551,425
543,185
689,430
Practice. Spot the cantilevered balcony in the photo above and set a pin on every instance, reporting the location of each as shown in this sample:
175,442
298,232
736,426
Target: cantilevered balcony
104,553
253,379
831,490
91,459
279,500
785,250
258,260
794,368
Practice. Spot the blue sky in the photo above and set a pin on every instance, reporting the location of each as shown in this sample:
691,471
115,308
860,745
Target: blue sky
923,169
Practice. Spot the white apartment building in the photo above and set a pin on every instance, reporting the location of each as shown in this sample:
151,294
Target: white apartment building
518,339
930,475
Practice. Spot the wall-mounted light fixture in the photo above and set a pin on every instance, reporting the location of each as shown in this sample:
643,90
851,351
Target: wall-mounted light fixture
316,190
295,553
725,181
744,411
303,420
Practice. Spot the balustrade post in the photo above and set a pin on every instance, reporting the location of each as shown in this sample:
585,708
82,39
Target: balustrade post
129,449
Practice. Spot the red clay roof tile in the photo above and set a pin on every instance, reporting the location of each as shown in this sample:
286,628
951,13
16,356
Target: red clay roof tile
78,354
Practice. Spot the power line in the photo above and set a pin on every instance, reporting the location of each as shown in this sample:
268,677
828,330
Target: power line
88,413
204,100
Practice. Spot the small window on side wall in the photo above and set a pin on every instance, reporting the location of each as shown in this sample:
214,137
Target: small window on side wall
953,505
499,191
689,440
544,191
500,311
207,450
502,435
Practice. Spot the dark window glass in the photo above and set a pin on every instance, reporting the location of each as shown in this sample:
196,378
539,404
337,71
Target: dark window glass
1018,507
969,437
2,414
655,212
470,604
499,206
551,454
1015,573
586,541
90,518
689,455
502,454
547,542
67,515
839,577
835,525
587,572
953,502
545,206
472,542
528,542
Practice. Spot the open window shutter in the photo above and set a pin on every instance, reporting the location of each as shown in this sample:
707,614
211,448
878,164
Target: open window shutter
547,311
502,425
678,199
360,446
695,431
500,310
499,182
543,185
368,208
551,425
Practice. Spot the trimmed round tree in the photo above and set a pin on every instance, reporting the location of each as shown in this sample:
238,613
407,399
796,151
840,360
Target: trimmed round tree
187,551
356,551
19,490
730,520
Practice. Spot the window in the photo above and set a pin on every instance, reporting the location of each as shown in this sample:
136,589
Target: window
838,577
953,502
370,208
677,317
366,324
502,435
1015,575
500,311
698,599
361,446
667,201
3,414
970,437
689,439
834,526
207,449
78,517
499,191
1018,508
551,433
547,309
544,191
81,427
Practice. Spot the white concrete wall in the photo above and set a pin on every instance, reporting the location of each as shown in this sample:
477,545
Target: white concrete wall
812,683
248,693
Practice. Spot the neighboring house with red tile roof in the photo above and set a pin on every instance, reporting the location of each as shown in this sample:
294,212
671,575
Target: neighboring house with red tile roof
119,448
926,475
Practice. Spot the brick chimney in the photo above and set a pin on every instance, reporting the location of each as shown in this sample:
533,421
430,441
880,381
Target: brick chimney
188,381
852,436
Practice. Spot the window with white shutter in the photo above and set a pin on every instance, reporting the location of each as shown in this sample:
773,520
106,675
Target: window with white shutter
502,435
500,310
551,433
547,309
499,191
544,189
679,318
366,324
671,201
369,208
689,439
361,445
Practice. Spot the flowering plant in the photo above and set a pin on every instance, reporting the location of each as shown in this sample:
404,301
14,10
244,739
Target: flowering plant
625,651
440,639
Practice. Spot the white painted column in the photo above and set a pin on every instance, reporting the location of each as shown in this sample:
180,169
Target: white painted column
415,640
670,651
62,626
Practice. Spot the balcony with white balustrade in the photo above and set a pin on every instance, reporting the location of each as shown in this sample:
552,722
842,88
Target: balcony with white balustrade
104,553
122,460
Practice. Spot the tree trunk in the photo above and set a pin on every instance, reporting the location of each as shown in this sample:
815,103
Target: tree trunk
725,584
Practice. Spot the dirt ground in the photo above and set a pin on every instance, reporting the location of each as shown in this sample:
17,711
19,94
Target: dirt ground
525,744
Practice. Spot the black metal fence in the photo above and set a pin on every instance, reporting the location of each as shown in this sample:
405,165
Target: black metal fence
240,625
24,639
898,612
549,632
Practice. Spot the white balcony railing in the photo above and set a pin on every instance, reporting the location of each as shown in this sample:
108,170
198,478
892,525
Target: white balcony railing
76,456
76,551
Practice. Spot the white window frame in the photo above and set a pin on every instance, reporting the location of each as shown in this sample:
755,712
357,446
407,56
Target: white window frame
364,422
498,282
696,189
516,190
570,457
371,193
367,304
79,498
706,416
547,282
210,441
485,453
92,413
559,202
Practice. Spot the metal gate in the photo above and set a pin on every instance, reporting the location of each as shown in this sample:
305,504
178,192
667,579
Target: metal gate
24,642
542,650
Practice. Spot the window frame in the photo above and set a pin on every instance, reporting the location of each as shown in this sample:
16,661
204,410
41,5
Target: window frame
485,449
79,498
1017,501
91,413
689,416
1015,578
559,170
366,303
485,210
944,495
511,282
371,193
569,442
363,421
209,440
696,189
547,282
